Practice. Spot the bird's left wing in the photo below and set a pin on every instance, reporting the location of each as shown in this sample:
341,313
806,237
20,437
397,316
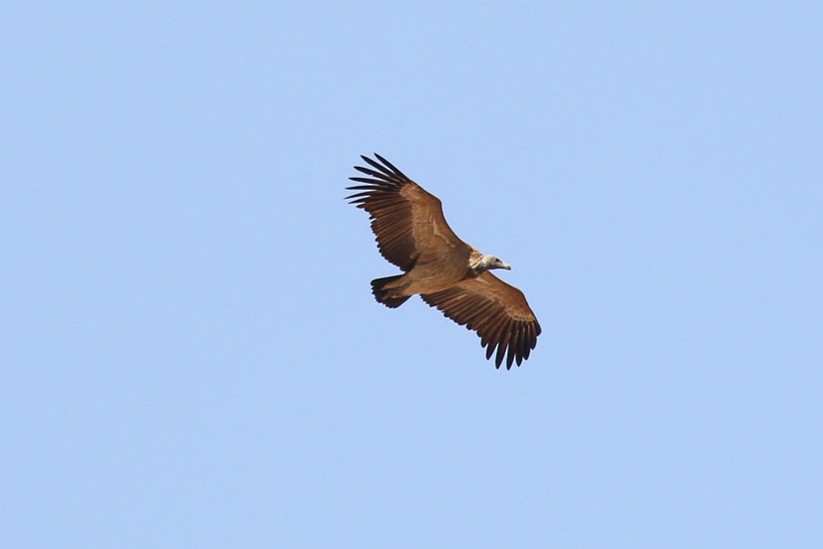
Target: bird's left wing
497,311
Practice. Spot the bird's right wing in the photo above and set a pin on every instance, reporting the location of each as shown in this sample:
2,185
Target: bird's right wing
407,221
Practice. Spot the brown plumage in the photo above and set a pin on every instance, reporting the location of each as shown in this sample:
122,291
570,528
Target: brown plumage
448,274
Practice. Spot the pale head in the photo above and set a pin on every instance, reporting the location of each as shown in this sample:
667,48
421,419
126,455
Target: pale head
489,262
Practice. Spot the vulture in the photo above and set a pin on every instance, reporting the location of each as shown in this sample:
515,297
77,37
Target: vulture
446,272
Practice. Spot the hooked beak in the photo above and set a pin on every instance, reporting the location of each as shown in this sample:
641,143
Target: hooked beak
505,266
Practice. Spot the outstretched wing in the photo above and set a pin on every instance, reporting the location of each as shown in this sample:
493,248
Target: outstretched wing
407,221
495,310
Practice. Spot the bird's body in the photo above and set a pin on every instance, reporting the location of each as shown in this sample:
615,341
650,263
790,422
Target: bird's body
446,272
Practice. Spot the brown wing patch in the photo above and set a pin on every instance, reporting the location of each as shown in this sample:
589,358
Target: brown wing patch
407,221
497,311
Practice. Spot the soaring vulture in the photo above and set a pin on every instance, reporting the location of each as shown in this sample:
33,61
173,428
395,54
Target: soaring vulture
448,273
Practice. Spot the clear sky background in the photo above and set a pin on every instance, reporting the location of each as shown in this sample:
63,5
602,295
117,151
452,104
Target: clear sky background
190,355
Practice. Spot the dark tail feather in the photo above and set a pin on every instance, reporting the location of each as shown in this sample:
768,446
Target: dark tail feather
382,295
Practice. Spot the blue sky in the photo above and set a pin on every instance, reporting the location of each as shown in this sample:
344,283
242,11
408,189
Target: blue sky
191,356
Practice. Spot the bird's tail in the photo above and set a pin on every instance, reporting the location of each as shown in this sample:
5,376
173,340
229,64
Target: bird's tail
384,295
